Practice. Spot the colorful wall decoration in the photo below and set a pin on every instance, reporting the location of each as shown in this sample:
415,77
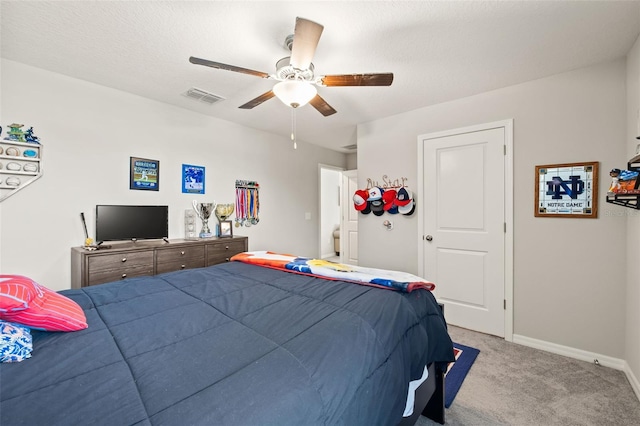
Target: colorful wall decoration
392,197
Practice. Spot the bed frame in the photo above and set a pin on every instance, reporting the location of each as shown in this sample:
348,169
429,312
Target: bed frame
429,399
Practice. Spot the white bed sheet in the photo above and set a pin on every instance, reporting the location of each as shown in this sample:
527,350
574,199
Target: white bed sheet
411,392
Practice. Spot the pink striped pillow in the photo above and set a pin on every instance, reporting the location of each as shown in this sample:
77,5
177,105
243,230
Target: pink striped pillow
26,302
16,292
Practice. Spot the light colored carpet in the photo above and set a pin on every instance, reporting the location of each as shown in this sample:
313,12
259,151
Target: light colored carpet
511,384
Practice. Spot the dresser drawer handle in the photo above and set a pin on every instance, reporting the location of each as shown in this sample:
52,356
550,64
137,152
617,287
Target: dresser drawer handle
183,266
182,253
226,248
124,259
226,259
124,276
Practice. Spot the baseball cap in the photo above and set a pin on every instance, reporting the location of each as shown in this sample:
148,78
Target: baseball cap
360,199
388,198
375,193
404,197
377,207
408,208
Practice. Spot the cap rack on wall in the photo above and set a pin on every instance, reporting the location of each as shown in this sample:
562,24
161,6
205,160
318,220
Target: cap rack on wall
391,196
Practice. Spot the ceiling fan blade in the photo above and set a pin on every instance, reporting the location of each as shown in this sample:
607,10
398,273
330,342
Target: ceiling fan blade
322,106
257,101
305,40
379,79
222,66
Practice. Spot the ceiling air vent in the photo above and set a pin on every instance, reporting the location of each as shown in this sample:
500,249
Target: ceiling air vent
202,96
351,147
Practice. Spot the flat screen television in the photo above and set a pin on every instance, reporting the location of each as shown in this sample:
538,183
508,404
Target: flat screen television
115,223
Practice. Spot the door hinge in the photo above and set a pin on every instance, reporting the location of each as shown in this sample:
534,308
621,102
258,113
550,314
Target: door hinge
505,227
504,304
505,149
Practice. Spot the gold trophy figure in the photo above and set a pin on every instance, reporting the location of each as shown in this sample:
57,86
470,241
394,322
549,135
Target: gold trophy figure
223,211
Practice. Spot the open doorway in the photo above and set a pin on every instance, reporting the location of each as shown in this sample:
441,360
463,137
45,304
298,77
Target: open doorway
330,212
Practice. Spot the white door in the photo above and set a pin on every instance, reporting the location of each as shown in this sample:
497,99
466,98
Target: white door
463,230
349,225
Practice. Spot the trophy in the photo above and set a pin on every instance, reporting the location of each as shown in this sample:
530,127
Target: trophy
204,210
223,211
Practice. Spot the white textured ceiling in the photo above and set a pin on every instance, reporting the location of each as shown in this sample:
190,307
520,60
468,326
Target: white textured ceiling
437,50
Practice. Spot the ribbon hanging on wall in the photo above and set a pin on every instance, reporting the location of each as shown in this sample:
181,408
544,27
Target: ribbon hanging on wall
247,203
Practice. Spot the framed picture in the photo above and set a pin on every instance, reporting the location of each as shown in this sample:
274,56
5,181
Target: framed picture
567,190
226,230
192,179
144,174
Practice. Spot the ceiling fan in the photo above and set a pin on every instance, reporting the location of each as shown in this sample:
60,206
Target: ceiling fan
295,73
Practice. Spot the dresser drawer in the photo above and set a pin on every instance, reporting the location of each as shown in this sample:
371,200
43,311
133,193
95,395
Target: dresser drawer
222,251
175,254
118,266
175,259
119,261
101,277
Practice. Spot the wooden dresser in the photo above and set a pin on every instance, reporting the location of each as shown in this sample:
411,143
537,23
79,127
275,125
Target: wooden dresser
126,260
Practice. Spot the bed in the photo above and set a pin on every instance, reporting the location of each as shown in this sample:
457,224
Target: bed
234,344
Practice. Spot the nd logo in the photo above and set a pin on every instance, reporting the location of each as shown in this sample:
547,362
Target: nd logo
572,187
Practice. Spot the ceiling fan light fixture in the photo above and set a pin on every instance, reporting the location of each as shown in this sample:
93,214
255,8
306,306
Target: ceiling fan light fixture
296,73
295,93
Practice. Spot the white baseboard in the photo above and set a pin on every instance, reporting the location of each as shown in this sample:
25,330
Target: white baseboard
606,361
635,384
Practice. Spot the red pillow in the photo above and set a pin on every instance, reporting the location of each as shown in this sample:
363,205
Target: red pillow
47,310
16,292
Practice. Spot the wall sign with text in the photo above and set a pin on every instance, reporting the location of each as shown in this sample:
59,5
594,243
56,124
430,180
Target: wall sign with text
567,190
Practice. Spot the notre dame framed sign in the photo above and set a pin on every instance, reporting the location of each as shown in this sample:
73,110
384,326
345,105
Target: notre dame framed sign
567,190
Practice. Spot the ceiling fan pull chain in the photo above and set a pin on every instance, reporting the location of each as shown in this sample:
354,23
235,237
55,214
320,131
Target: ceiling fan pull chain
293,128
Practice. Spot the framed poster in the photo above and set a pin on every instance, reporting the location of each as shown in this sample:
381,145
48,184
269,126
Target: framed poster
567,190
226,230
144,174
192,179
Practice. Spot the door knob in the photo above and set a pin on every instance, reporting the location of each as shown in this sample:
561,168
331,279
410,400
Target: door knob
428,238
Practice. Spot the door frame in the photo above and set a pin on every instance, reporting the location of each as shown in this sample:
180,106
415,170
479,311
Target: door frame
508,207
345,206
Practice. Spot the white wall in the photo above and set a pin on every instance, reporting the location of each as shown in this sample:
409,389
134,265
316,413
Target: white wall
632,336
569,274
89,132
352,161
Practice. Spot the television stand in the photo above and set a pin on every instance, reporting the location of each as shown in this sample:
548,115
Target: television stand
126,260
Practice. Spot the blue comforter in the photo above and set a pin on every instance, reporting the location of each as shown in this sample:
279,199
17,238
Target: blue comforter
232,344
